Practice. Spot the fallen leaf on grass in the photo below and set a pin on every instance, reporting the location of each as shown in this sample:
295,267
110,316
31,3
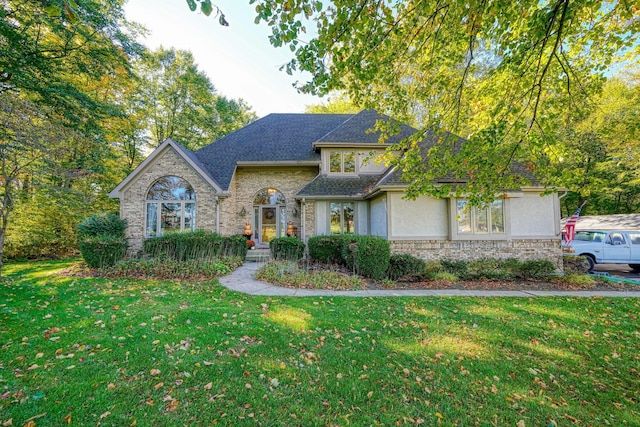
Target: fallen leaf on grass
208,386
105,415
154,371
67,419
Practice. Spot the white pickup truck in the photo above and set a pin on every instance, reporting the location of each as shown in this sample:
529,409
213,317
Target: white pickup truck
607,247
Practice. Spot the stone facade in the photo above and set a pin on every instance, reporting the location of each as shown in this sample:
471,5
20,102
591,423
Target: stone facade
133,197
248,181
431,250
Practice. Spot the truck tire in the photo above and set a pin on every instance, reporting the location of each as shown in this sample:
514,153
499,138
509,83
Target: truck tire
591,261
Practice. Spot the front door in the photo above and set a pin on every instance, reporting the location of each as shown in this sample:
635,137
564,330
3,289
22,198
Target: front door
268,223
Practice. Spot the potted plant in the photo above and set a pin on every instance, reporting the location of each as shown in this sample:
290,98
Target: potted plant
251,244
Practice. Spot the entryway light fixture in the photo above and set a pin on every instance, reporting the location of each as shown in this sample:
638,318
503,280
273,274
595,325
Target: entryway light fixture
243,211
294,211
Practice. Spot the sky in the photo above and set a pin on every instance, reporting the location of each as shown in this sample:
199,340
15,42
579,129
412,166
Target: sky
238,59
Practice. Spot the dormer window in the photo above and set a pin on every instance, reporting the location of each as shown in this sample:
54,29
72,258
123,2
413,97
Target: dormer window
342,162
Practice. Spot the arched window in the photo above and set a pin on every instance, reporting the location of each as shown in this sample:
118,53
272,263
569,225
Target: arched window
269,196
171,207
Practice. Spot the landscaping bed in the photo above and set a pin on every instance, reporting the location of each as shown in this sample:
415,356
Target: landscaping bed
306,275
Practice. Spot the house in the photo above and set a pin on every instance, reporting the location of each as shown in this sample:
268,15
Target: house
309,174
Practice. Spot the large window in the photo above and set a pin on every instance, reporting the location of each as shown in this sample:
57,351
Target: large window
171,207
342,162
480,220
341,220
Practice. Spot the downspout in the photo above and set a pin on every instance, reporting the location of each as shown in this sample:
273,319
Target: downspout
217,203
304,220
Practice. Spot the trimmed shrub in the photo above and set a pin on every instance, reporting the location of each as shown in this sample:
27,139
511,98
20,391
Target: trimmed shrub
536,269
404,265
492,268
101,239
104,223
370,255
326,249
432,268
163,268
459,268
286,248
195,245
575,264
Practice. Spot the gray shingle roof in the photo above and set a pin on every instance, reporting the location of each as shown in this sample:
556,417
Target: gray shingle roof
394,177
324,186
276,137
291,138
357,128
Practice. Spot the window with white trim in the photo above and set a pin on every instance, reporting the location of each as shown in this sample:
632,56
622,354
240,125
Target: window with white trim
170,207
342,162
480,220
341,219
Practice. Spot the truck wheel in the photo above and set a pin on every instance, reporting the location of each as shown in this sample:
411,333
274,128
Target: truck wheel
635,267
591,261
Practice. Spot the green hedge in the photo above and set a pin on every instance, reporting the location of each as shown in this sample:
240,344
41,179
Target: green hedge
102,250
101,239
365,255
405,265
286,248
326,249
195,245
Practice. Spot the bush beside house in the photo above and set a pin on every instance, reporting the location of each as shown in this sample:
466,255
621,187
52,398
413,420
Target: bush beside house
101,239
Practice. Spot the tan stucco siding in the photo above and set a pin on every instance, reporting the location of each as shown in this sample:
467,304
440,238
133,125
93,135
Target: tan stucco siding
133,196
422,218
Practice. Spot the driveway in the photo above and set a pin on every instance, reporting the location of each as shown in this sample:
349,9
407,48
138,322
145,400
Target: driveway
617,270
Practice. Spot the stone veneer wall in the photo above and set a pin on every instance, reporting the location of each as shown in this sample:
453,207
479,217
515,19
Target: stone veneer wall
133,199
467,250
249,180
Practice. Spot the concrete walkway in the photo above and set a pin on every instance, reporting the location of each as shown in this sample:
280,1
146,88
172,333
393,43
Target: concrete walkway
242,280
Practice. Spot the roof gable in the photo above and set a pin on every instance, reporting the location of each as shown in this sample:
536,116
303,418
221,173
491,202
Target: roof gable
187,155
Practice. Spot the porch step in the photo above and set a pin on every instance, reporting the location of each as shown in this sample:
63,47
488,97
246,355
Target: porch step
258,255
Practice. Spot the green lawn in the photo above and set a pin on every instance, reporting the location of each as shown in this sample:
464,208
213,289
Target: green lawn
78,351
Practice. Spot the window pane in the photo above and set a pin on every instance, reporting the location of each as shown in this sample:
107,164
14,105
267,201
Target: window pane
482,217
336,216
335,158
347,210
269,196
170,217
349,162
463,217
171,188
497,217
152,220
189,217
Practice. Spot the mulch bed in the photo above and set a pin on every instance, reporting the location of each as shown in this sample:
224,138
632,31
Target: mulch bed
507,285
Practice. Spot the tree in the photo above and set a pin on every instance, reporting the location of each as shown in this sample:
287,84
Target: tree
29,142
496,72
337,104
597,153
42,54
181,102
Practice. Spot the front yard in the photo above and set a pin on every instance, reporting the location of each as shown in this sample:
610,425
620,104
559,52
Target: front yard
95,351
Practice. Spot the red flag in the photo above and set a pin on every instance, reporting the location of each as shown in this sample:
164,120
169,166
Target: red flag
570,227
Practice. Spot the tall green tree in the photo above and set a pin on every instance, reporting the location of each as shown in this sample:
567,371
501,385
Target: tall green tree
496,72
337,103
30,143
181,103
597,154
